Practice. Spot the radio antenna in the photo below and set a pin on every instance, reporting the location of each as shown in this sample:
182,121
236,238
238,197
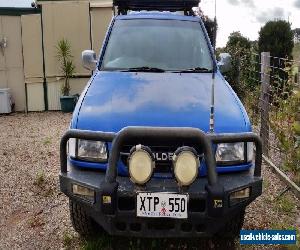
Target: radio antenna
212,107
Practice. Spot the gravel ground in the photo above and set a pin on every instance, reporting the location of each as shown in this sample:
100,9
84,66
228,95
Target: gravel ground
34,214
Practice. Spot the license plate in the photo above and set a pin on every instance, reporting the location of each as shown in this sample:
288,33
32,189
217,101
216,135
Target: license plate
168,205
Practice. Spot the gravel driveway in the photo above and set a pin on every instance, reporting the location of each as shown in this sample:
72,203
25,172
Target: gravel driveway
34,214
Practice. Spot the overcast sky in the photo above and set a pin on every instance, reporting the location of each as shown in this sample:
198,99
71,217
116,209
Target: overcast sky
15,3
246,16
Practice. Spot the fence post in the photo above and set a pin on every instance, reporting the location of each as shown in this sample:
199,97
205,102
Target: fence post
264,100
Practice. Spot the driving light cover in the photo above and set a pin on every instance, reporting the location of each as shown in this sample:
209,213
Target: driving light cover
239,196
83,192
141,164
230,152
185,163
91,150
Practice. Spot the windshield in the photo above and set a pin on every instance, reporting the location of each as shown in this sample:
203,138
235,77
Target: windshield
170,45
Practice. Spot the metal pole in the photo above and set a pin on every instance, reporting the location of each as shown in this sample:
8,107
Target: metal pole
212,106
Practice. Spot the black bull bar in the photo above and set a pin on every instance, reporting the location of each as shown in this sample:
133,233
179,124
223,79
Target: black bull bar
168,136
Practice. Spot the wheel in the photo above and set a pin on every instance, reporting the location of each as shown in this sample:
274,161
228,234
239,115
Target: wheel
81,221
232,228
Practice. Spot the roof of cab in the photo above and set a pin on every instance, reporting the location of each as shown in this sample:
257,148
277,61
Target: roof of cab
157,15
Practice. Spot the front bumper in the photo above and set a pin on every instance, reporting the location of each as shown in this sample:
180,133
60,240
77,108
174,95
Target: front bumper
124,220
208,209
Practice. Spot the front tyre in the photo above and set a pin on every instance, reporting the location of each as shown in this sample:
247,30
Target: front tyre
81,221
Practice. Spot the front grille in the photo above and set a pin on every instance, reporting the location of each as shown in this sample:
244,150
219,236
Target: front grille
162,165
161,224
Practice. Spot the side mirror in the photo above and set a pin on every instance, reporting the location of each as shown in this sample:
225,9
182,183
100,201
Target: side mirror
89,60
225,62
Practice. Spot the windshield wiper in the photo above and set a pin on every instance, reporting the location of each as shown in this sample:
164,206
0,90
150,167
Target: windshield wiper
194,70
144,69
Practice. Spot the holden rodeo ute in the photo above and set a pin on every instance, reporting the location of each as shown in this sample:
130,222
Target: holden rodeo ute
159,144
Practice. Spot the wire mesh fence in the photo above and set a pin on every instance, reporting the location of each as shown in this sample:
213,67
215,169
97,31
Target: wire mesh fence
272,99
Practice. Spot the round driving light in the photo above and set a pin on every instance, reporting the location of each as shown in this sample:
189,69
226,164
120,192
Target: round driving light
185,164
141,164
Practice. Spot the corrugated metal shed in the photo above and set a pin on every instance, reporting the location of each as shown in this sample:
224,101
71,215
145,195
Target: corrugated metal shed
29,64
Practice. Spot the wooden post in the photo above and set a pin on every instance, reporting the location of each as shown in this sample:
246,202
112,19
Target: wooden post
264,100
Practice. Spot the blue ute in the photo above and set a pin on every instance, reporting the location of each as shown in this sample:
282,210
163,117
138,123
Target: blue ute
114,99
159,144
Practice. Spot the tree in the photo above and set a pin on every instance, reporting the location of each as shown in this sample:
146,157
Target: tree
239,47
276,37
238,41
211,28
210,25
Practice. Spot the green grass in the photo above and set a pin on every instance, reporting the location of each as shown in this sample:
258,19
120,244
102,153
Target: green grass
67,240
100,242
280,225
266,184
106,242
40,179
36,222
285,204
44,187
296,178
47,141
296,52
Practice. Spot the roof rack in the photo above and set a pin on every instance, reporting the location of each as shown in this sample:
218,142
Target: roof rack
158,5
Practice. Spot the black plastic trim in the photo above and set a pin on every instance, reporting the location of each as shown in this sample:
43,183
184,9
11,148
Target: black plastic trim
15,11
159,5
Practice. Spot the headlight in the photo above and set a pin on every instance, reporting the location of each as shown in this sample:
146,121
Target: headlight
141,164
91,150
230,152
87,150
185,164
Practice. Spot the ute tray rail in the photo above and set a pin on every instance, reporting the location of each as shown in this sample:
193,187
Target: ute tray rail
155,5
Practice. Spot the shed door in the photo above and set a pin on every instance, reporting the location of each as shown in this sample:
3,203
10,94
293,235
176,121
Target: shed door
11,60
33,61
100,19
